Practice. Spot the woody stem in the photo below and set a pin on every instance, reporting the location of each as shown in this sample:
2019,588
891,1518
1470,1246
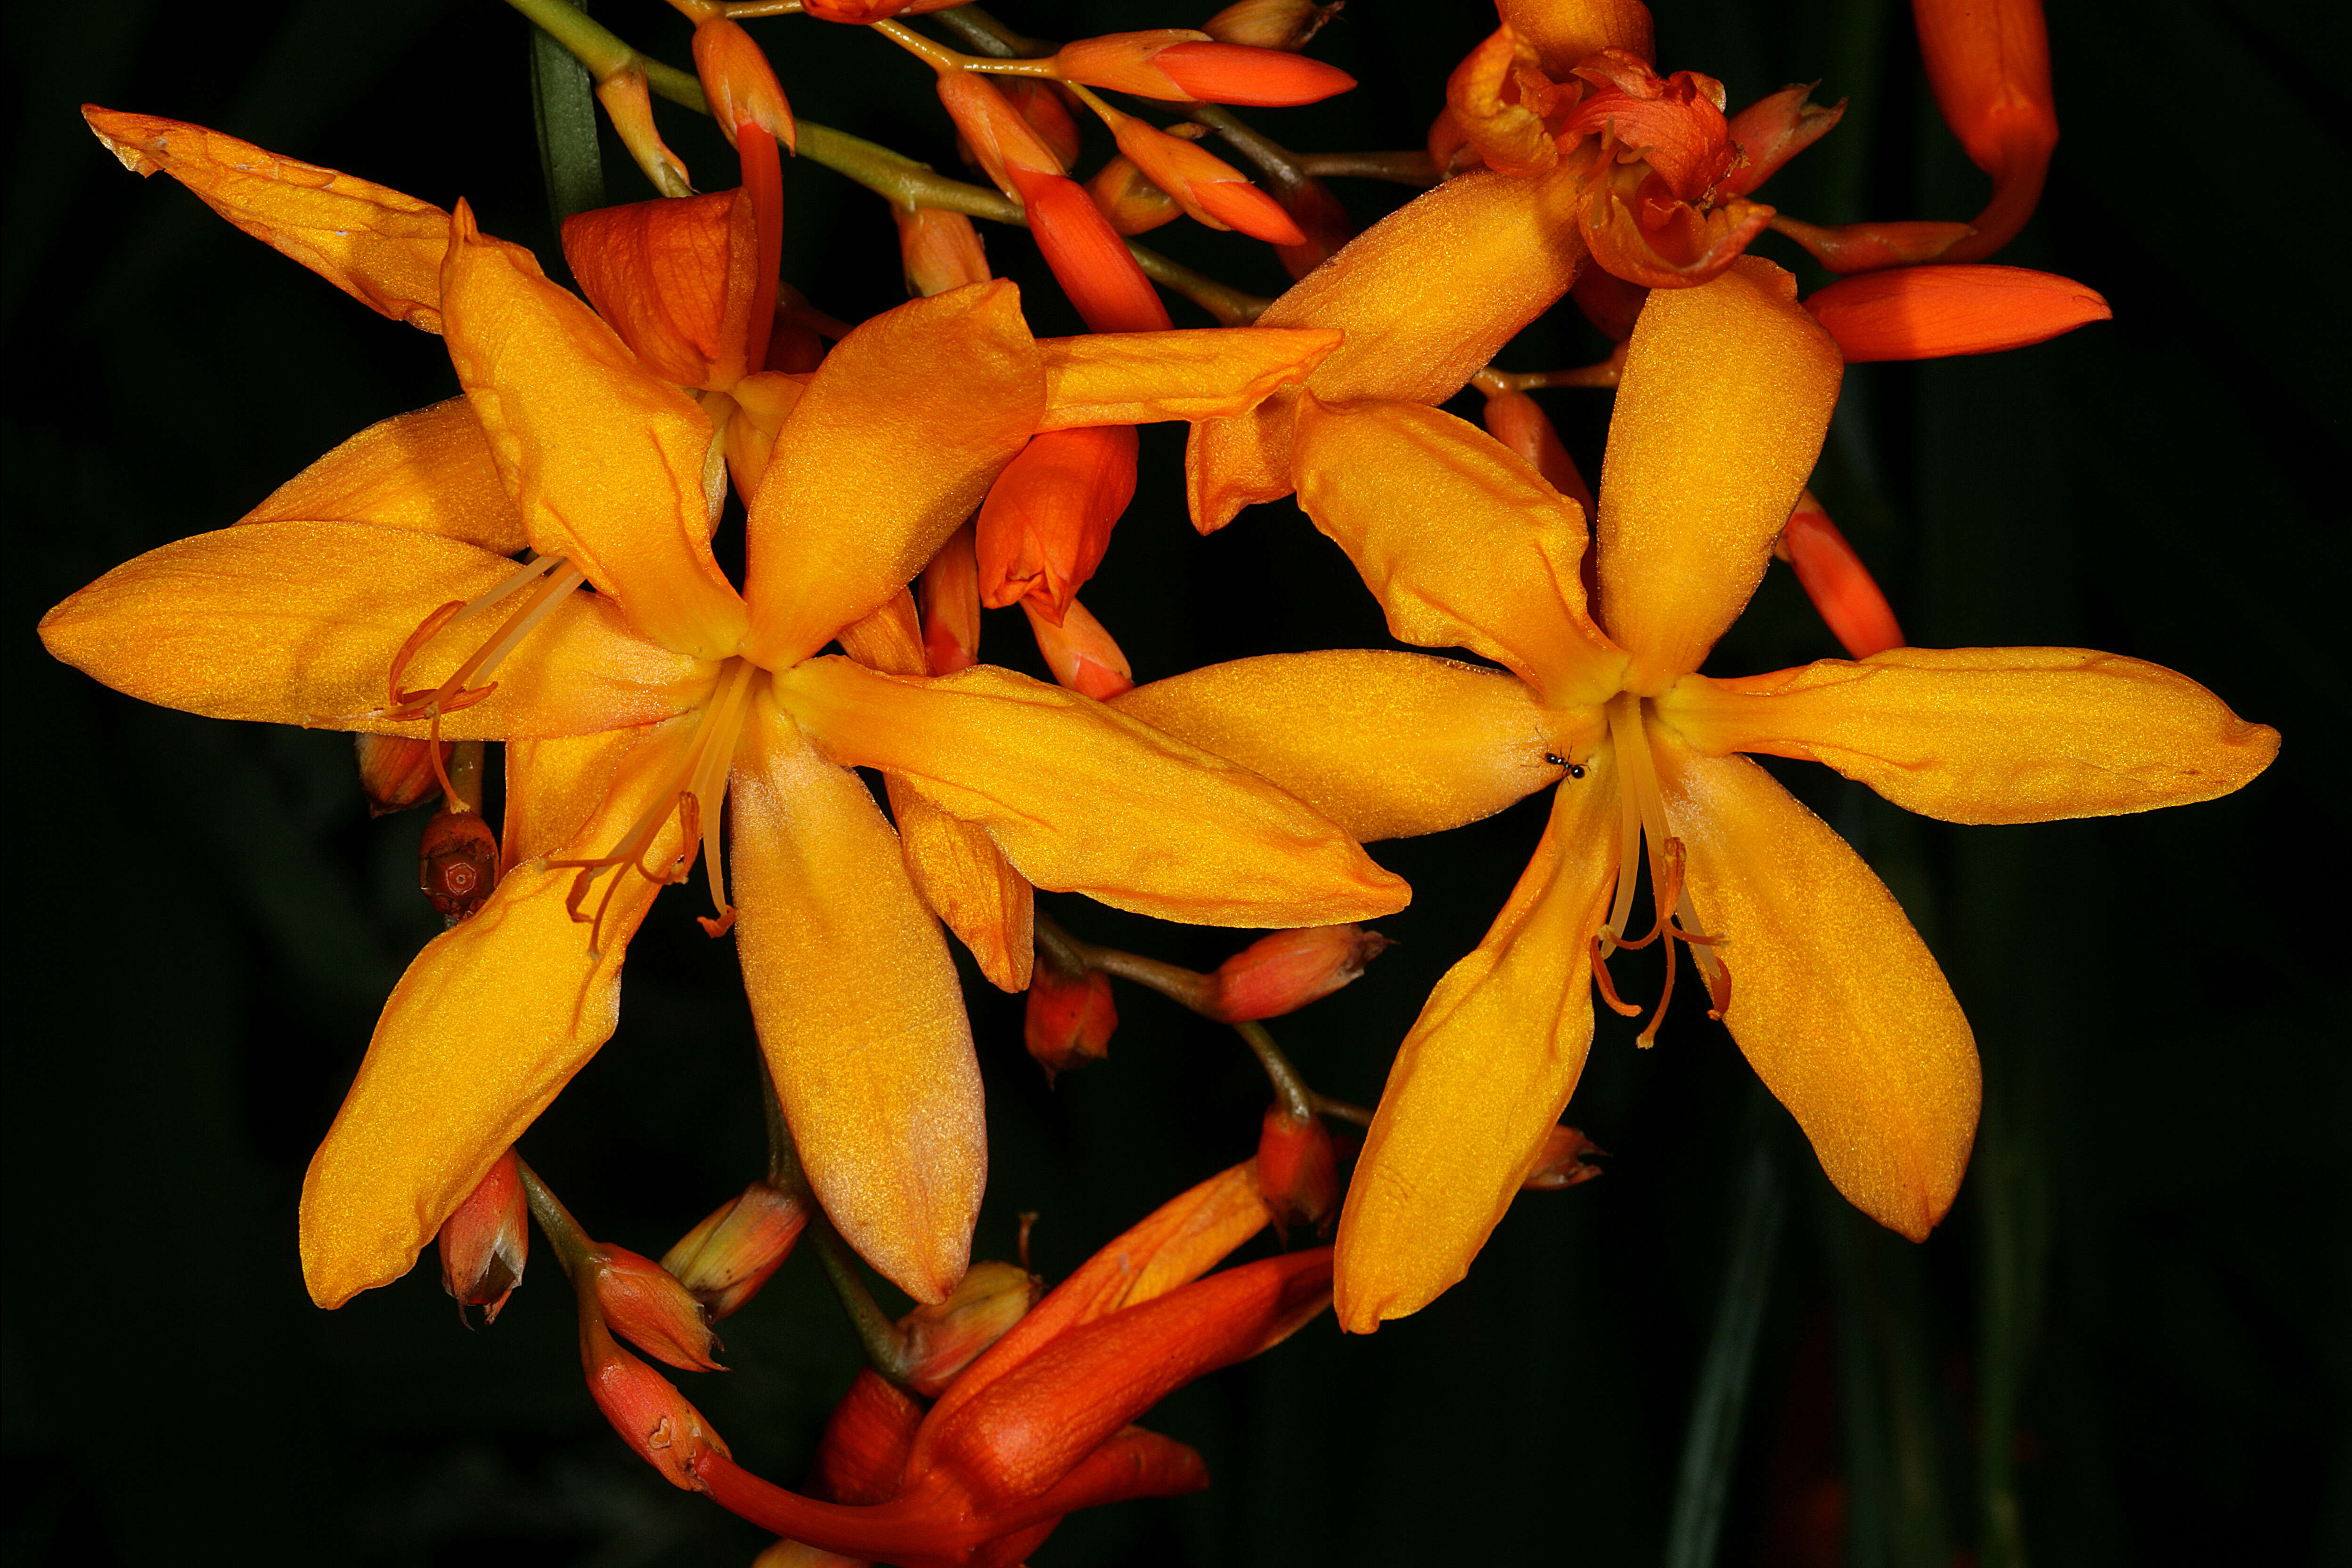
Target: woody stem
1410,167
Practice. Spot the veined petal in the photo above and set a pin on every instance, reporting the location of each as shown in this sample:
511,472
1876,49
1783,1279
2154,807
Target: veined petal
965,880
1565,31
2010,734
430,471
379,247
1461,542
1082,798
892,445
298,623
858,1011
1426,296
1836,1001
674,277
1726,397
1137,378
1386,744
491,1021
607,465
1482,1078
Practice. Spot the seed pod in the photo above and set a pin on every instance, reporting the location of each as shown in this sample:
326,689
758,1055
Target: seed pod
457,864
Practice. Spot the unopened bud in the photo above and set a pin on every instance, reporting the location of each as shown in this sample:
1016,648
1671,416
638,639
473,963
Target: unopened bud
942,1338
939,249
1045,105
1297,1171
1320,216
1271,24
951,600
1612,304
484,1242
1129,199
1070,1017
1851,603
723,1262
397,771
1514,419
999,138
646,1304
1082,655
628,102
1283,972
1181,66
1937,311
645,1408
457,864
1203,185
1561,1163
739,81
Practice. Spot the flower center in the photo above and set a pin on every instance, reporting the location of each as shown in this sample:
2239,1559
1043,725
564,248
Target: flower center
1642,807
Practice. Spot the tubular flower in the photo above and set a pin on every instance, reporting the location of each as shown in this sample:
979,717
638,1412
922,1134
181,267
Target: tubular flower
1807,960
638,713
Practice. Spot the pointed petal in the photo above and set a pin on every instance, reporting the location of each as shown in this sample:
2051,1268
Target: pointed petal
1836,1001
1932,313
298,623
486,1027
379,247
965,880
1461,540
1726,397
609,466
895,443
858,1011
2009,734
1082,798
1481,1079
1452,743
430,471
554,788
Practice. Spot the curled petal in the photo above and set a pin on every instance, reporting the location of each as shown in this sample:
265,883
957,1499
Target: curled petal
675,278
431,471
1771,131
1657,242
1566,31
2011,734
1497,98
1935,312
1138,378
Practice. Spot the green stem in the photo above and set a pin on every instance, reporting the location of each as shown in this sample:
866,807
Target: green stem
877,1334
563,109
572,1244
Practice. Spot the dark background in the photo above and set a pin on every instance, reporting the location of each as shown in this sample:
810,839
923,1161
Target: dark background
2132,1328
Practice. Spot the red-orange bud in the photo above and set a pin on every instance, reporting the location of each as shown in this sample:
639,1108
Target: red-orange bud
1297,1170
1130,200
1560,1162
1320,216
1935,312
1286,970
1044,106
1080,652
485,1243
739,81
457,864
1089,259
646,1304
940,250
1609,302
397,771
941,1339
950,596
723,1262
1048,517
1203,185
861,1457
1989,63
645,1408
1180,65
1070,1017
1841,587
1518,422
1270,24
999,138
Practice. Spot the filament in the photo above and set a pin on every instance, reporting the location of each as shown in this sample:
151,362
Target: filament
1675,919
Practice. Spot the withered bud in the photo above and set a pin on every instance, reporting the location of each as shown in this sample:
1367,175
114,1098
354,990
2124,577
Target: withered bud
1270,24
723,1262
1297,1170
457,864
1562,1162
1284,972
484,1242
397,771
942,1338
646,1304
1070,1017
643,1406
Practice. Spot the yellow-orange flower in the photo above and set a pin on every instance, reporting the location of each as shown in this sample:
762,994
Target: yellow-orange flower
1811,964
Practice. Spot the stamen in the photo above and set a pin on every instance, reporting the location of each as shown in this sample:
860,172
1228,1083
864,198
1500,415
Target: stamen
1675,918
453,695
1622,1008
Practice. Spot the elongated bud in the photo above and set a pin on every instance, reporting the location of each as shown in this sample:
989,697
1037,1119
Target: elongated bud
1079,652
1321,219
1608,301
1989,63
1519,422
1771,131
739,81
723,1262
1867,247
943,1338
645,1408
999,138
940,250
950,598
628,102
1090,260
1297,1170
457,864
676,278
1271,24
1283,972
647,1305
1841,587
485,1243
397,771
1181,66
1203,185
1070,1017
1045,105
1048,517
1934,312
1562,1163
1130,200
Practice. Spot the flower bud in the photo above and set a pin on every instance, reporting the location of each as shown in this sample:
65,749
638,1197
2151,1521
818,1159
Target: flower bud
1518,422
628,103
1180,65
1283,972
1079,652
1936,312
1271,24
739,81
1070,1017
723,1262
1089,259
652,1309
1203,185
950,598
397,771
1320,216
1297,1171
1560,1162
486,1240
1849,601
643,1406
861,1457
1129,199
1043,105
939,249
941,1340
1001,140
457,864
1047,520
1608,301
1989,63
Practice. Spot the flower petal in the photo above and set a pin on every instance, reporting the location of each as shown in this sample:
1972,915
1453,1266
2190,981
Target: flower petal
1481,1079
1565,31
1982,734
1082,798
1836,1001
1932,313
895,441
1461,542
608,465
1726,397
1386,744
674,277
430,471
489,1023
858,1011
379,247
298,623
966,881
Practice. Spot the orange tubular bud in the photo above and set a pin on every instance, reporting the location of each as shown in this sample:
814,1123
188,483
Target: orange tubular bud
1935,312
942,1338
1867,247
1609,302
1047,520
1070,1018
939,249
397,771
1839,584
739,81
1203,185
1081,654
483,1244
951,586
1040,103
1321,219
676,278
629,104
643,1407
1495,102
1989,63
1091,263
646,1304
1283,972
1296,1170
861,1457
1771,131
1180,66
1270,24
1514,419
723,1262
457,864
1132,203
999,138
1560,1162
